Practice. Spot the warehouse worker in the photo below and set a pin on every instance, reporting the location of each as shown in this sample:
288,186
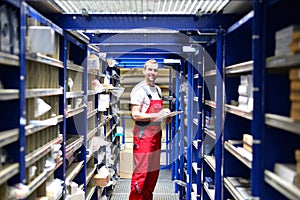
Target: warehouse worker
147,111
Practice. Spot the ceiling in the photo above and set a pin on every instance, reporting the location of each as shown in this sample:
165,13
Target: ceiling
127,29
164,7
141,7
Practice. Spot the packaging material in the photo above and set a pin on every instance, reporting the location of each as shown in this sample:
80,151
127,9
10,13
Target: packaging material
117,92
126,163
245,99
5,31
73,188
37,36
286,171
15,48
96,86
18,191
40,107
209,121
247,142
54,189
239,181
93,62
79,195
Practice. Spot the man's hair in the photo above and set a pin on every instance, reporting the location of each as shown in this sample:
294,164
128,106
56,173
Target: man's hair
150,62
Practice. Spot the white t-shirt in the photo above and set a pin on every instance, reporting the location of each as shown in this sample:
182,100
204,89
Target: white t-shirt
138,95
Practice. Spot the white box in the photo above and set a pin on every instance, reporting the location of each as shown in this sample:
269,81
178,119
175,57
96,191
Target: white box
93,62
41,39
79,195
286,171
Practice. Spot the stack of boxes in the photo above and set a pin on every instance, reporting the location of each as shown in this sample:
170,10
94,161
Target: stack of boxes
294,75
295,93
295,43
284,41
245,99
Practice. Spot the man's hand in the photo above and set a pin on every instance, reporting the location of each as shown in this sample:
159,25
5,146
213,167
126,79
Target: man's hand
160,115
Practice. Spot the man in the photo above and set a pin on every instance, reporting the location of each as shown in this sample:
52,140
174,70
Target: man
146,110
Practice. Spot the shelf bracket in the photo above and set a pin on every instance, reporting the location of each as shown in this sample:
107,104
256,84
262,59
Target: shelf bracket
255,89
256,141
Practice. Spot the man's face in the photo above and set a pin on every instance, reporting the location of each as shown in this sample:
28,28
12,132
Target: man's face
151,72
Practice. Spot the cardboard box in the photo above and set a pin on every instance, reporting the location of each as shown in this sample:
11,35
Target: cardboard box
297,155
295,115
126,163
247,147
295,46
295,86
295,95
294,74
101,179
248,139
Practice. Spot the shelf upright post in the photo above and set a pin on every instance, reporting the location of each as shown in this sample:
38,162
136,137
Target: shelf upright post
182,131
22,94
190,129
199,89
111,122
63,109
219,115
124,128
176,152
169,128
85,112
258,122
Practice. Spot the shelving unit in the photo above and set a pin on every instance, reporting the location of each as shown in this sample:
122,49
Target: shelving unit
61,79
280,128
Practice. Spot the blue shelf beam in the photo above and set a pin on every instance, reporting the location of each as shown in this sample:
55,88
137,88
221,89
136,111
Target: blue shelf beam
138,38
167,49
241,22
75,41
37,16
174,22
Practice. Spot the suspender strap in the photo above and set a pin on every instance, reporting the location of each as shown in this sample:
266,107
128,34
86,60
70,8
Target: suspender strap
149,95
158,92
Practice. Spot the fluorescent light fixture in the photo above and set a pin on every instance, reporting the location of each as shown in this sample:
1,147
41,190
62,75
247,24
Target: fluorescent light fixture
171,61
131,31
188,49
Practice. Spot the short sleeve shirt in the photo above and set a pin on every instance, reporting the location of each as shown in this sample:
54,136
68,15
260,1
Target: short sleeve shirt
138,95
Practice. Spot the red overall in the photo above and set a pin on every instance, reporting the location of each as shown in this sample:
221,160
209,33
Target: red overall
147,145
